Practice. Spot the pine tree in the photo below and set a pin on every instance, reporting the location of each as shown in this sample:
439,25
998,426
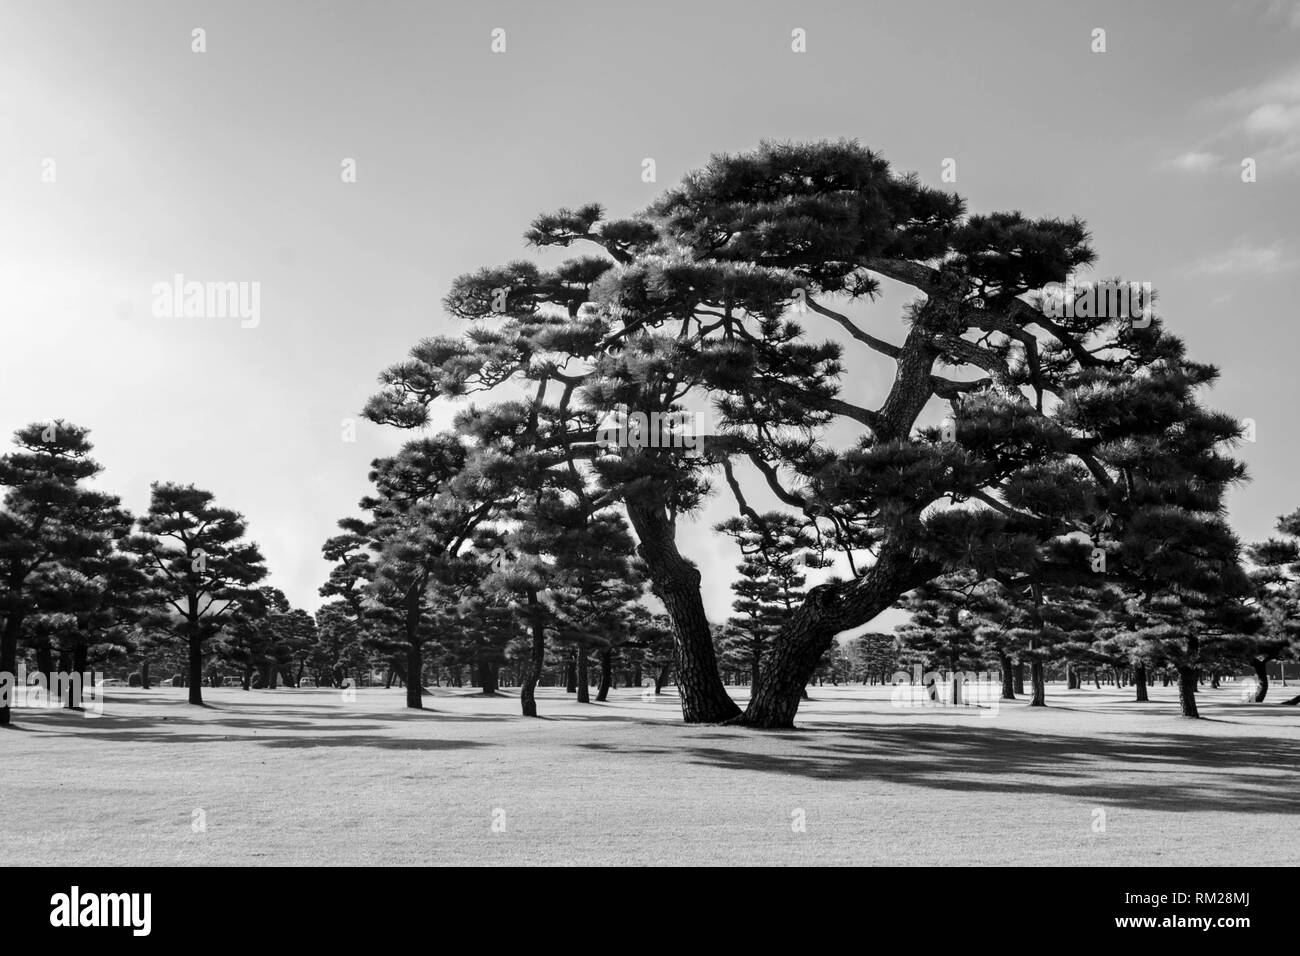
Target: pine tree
875,657
410,561
56,538
705,297
1275,586
195,556
945,632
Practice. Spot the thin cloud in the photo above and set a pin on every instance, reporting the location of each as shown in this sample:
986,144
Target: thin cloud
1195,161
1261,121
1247,259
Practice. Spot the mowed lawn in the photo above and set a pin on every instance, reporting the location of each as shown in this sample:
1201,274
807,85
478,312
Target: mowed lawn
304,777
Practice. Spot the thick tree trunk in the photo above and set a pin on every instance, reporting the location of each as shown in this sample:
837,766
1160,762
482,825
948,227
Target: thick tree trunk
571,674
1008,678
1071,677
1187,692
144,674
487,677
1038,683
809,631
1188,678
584,677
195,679
754,671
606,674
77,671
45,663
676,582
1140,682
414,674
536,662
1020,677
1261,679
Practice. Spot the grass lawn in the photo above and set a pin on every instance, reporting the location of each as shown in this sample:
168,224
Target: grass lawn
302,777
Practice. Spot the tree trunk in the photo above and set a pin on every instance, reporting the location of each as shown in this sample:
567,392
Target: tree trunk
662,678
1140,682
571,674
1261,677
676,582
606,674
809,631
536,662
754,671
414,674
1008,678
1188,677
80,663
9,663
144,673
1187,691
487,677
195,680
45,663
1020,677
584,677
1038,683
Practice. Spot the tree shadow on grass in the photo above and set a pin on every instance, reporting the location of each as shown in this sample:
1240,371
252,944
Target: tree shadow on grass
338,729
310,741
1168,772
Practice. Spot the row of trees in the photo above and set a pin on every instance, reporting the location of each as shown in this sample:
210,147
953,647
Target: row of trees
178,591
962,622
83,582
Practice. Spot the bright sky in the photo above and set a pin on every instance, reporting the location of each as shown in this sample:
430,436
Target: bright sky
225,166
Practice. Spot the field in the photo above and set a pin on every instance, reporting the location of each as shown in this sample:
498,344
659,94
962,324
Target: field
303,777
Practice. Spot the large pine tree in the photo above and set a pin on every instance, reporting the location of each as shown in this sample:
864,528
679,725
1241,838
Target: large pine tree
705,299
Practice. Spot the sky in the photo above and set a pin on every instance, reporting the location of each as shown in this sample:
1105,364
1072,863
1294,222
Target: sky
126,158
